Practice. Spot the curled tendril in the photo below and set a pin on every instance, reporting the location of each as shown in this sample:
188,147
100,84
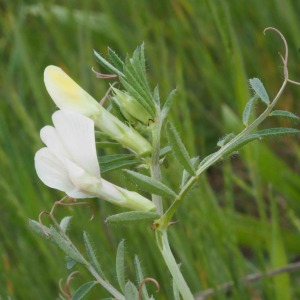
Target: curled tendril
104,76
66,289
61,202
144,282
285,57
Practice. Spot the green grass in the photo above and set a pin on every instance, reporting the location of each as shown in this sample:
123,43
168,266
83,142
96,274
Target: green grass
237,221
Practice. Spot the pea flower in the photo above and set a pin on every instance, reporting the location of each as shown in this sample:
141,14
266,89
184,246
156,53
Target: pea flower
69,163
68,95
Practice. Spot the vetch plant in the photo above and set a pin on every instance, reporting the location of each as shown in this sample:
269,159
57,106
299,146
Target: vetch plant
69,163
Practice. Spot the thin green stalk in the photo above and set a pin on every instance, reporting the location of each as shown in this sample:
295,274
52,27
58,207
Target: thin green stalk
105,284
155,167
164,247
217,156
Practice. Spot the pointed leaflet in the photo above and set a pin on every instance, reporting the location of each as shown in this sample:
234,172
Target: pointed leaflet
260,90
149,184
228,137
107,65
179,149
92,255
265,133
285,114
140,277
132,218
249,108
65,223
120,265
83,290
167,106
131,292
115,59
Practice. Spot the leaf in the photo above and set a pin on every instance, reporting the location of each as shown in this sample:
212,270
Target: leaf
265,133
92,255
118,165
140,277
260,90
156,96
120,265
149,184
249,108
285,114
115,59
40,230
132,217
168,104
107,65
165,151
179,149
83,290
64,223
131,292
273,132
113,158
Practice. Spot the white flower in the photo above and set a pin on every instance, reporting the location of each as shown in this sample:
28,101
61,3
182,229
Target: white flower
69,163
68,95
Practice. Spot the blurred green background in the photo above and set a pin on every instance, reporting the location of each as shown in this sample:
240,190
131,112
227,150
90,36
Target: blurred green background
244,216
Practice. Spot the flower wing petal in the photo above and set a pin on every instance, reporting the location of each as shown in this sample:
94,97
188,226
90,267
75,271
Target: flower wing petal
77,133
51,171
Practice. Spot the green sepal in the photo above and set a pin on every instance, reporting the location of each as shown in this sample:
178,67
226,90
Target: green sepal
149,184
260,90
120,265
92,255
132,218
83,290
285,114
131,292
179,149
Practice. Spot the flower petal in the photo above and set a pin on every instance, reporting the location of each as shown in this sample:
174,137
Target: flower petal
52,140
77,134
67,94
51,171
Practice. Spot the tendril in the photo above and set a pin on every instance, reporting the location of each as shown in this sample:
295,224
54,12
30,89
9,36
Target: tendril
144,282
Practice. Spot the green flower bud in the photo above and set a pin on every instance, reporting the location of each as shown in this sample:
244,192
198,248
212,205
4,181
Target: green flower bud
131,108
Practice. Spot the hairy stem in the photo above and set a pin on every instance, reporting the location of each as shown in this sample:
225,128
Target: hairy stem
164,247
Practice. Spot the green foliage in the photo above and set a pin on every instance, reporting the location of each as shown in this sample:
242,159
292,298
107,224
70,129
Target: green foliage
83,290
148,184
120,265
179,149
207,51
260,90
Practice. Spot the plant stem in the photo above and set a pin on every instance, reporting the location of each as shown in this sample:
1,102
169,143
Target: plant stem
217,156
155,167
164,247
105,284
